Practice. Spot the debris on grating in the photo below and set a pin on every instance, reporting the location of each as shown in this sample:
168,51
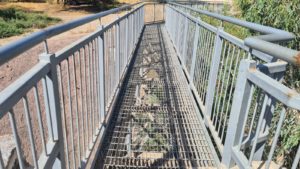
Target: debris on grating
146,60
156,57
151,100
138,137
145,52
149,74
145,136
146,96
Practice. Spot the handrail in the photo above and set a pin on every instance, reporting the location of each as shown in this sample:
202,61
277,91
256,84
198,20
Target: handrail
13,49
263,43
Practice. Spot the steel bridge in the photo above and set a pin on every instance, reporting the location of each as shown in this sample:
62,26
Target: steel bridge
172,91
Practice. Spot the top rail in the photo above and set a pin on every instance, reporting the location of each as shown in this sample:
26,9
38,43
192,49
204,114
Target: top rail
263,43
9,51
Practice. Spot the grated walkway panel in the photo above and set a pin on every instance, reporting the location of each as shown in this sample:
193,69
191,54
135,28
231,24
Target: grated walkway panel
155,123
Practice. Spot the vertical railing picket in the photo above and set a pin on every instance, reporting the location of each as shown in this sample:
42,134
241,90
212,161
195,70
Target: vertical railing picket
154,13
195,47
131,33
101,78
238,113
134,28
185,38
126,38
117,48
177,29
54,104
214,69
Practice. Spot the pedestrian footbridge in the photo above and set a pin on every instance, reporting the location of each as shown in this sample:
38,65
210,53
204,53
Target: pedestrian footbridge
156,88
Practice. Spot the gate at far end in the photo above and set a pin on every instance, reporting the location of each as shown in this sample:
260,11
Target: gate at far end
154,12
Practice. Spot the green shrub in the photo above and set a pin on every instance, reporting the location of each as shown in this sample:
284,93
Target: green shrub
7,30
15,21
281,14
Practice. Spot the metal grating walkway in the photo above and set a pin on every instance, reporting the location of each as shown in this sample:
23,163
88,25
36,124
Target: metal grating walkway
155,123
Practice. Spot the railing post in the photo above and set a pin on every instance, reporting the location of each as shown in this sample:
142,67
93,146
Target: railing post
101,78
238,112
213,74
54,105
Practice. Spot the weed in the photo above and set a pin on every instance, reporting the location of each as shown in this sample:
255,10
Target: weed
14,21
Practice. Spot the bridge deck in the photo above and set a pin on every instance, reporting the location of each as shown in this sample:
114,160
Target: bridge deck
155,123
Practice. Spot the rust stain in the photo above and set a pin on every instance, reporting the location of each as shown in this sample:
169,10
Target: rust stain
252,69
291,94
297,57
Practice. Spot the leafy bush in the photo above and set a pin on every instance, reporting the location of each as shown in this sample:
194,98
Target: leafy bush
15,21
281,14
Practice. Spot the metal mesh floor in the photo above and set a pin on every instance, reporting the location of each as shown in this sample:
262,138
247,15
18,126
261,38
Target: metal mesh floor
155,124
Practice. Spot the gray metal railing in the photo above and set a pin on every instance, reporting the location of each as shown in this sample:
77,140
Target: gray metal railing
69,92
211,66
258,97
210,58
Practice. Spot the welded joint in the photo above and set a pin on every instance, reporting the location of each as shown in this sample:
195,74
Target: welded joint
47,57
